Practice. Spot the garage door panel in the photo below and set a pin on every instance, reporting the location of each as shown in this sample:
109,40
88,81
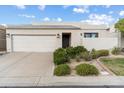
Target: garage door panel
34,43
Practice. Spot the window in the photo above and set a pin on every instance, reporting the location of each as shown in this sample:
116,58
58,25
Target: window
91,35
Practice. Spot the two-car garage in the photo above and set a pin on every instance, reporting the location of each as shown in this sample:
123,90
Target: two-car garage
34,43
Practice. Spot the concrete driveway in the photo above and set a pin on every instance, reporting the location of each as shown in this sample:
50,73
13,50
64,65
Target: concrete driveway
36,70
25,69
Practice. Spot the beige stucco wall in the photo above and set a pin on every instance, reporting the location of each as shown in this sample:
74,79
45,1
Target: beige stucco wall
76,39
75,36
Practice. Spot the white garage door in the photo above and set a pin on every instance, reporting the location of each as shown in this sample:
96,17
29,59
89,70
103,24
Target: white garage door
30,43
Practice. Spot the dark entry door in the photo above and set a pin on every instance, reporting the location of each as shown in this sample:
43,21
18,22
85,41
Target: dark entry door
66,40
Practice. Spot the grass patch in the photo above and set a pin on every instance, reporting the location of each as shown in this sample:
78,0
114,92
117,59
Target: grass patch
116,65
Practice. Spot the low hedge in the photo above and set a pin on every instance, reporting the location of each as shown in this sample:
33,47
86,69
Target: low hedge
70,52
87,56
62,70
116,51
86,70
79,49
94,54
102,52
60,56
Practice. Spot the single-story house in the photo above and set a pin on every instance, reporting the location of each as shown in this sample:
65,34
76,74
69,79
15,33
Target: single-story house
46,37
2,38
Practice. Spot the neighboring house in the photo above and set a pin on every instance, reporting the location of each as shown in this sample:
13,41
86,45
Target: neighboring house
2,38
47,37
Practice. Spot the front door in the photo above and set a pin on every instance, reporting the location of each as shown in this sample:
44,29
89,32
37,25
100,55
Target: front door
66,40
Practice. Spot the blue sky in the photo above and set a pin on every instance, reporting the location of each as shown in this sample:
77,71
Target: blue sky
22,14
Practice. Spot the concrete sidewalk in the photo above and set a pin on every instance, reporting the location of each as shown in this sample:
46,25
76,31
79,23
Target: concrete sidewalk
82,81
100,81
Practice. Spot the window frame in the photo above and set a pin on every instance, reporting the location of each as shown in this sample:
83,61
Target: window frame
91,35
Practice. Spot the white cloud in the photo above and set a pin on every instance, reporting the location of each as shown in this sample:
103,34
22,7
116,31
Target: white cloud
99,19
78,10
46,19
41,7
66,6
117,20
4,25
21,6
121,13
59,19
26,16
107,6
81,9
111,12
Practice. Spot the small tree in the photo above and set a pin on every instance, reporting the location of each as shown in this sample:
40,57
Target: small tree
120,25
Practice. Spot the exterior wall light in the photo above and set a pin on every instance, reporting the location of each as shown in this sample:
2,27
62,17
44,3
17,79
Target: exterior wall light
107,29
58,35
8,35
81,34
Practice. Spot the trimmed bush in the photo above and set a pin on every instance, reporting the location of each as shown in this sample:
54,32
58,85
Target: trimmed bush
60,56
122,50
79,49
70,52
94,54
102,52
87,56
116,51
86,70
62,70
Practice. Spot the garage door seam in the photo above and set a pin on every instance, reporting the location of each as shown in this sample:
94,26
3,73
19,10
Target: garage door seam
15,62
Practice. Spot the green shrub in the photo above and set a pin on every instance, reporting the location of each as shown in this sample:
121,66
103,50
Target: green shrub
87,56
79,49
62,70
86,70
68,59
94,54
70,52
78,59
82,54
122,49
60,56
116,51
102,52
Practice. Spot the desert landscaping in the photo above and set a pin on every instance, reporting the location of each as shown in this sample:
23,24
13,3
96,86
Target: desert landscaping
78,61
